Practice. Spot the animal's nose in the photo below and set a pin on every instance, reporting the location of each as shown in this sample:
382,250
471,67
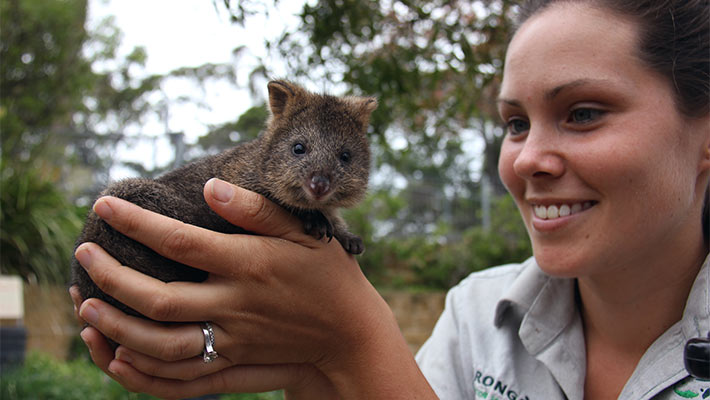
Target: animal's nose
319,185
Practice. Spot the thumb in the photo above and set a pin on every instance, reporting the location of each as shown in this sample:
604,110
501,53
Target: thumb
252,211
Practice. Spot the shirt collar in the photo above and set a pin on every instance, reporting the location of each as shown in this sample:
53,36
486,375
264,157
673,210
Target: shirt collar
548,306
547,303
696,316
550,328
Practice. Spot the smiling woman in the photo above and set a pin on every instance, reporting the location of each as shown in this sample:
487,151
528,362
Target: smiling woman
607,156
607,160
591,129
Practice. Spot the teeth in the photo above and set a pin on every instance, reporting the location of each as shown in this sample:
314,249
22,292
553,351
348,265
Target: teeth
563,210
553,212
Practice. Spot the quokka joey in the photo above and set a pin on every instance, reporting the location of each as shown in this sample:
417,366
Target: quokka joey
312,158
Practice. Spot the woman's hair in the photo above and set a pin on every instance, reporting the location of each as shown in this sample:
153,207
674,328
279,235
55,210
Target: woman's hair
674,41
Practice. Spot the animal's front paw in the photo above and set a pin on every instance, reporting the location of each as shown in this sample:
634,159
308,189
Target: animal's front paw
351,243
317,225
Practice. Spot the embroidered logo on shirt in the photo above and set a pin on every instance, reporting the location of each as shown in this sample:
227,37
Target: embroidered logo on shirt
692,389
490,388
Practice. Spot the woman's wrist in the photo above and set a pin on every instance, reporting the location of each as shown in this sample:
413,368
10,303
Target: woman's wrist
377,363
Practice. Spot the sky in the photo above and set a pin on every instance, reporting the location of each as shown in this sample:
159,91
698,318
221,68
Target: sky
188,33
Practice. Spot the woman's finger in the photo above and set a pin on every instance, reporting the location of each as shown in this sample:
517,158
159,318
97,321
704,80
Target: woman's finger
167,342
169,237
189,244
185,370
161,301
77,300
101,352
237,379
253,211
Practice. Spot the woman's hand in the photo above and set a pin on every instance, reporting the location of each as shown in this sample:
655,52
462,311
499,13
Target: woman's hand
285,308
140,373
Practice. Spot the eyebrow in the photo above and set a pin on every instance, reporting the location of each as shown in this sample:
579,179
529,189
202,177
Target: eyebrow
554,92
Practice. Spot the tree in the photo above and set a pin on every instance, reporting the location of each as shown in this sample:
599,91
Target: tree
44,77
51,101
435,67
245,128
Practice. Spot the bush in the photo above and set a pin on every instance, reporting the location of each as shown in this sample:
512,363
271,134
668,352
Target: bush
43,377
440,260
38,226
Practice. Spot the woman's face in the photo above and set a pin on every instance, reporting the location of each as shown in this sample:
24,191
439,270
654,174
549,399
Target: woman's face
603,168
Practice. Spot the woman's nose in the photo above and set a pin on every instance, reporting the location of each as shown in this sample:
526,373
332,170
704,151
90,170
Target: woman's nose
540,157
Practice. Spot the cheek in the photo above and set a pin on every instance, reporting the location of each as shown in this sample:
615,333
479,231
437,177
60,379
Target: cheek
508,155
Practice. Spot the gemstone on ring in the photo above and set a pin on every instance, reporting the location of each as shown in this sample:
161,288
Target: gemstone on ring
208,354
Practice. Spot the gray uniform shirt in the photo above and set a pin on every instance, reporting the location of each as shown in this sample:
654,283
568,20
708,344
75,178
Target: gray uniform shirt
512,332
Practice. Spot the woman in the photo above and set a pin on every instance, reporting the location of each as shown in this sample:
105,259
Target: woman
607,155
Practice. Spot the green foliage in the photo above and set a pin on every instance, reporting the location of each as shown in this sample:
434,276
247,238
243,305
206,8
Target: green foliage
43,76
278,395
43,377
38,226
441,259
435,67
51,100
55,94
226,135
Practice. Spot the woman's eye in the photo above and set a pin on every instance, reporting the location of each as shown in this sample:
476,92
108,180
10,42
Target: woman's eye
585,115
299,149
517,126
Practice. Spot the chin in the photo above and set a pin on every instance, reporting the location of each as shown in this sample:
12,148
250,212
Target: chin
559,263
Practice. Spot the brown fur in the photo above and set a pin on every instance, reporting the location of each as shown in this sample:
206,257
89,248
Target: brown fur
312,158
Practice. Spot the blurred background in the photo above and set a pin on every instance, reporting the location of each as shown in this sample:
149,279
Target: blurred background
93,91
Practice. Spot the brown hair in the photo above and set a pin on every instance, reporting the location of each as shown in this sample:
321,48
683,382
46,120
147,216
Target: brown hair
674,41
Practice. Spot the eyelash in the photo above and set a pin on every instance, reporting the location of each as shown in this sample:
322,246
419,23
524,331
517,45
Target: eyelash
595,112
509,126
591,115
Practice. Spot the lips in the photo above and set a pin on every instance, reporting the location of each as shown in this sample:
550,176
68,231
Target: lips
560,210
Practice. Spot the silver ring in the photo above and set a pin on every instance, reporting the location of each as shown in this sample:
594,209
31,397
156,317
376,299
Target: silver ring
208,354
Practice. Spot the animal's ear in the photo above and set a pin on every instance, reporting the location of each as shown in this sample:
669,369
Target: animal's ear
280,94
363,106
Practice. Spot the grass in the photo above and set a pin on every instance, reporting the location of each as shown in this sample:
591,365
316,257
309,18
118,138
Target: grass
43,377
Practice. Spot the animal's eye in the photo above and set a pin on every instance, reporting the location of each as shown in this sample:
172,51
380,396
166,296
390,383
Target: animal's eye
345,156
299,149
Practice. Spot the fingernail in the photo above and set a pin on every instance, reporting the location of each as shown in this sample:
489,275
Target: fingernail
86,342
103,210
83,255
112,368
121,355
221,190
89,314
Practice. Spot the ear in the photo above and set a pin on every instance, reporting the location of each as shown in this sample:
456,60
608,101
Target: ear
363,106
280,93
704,124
